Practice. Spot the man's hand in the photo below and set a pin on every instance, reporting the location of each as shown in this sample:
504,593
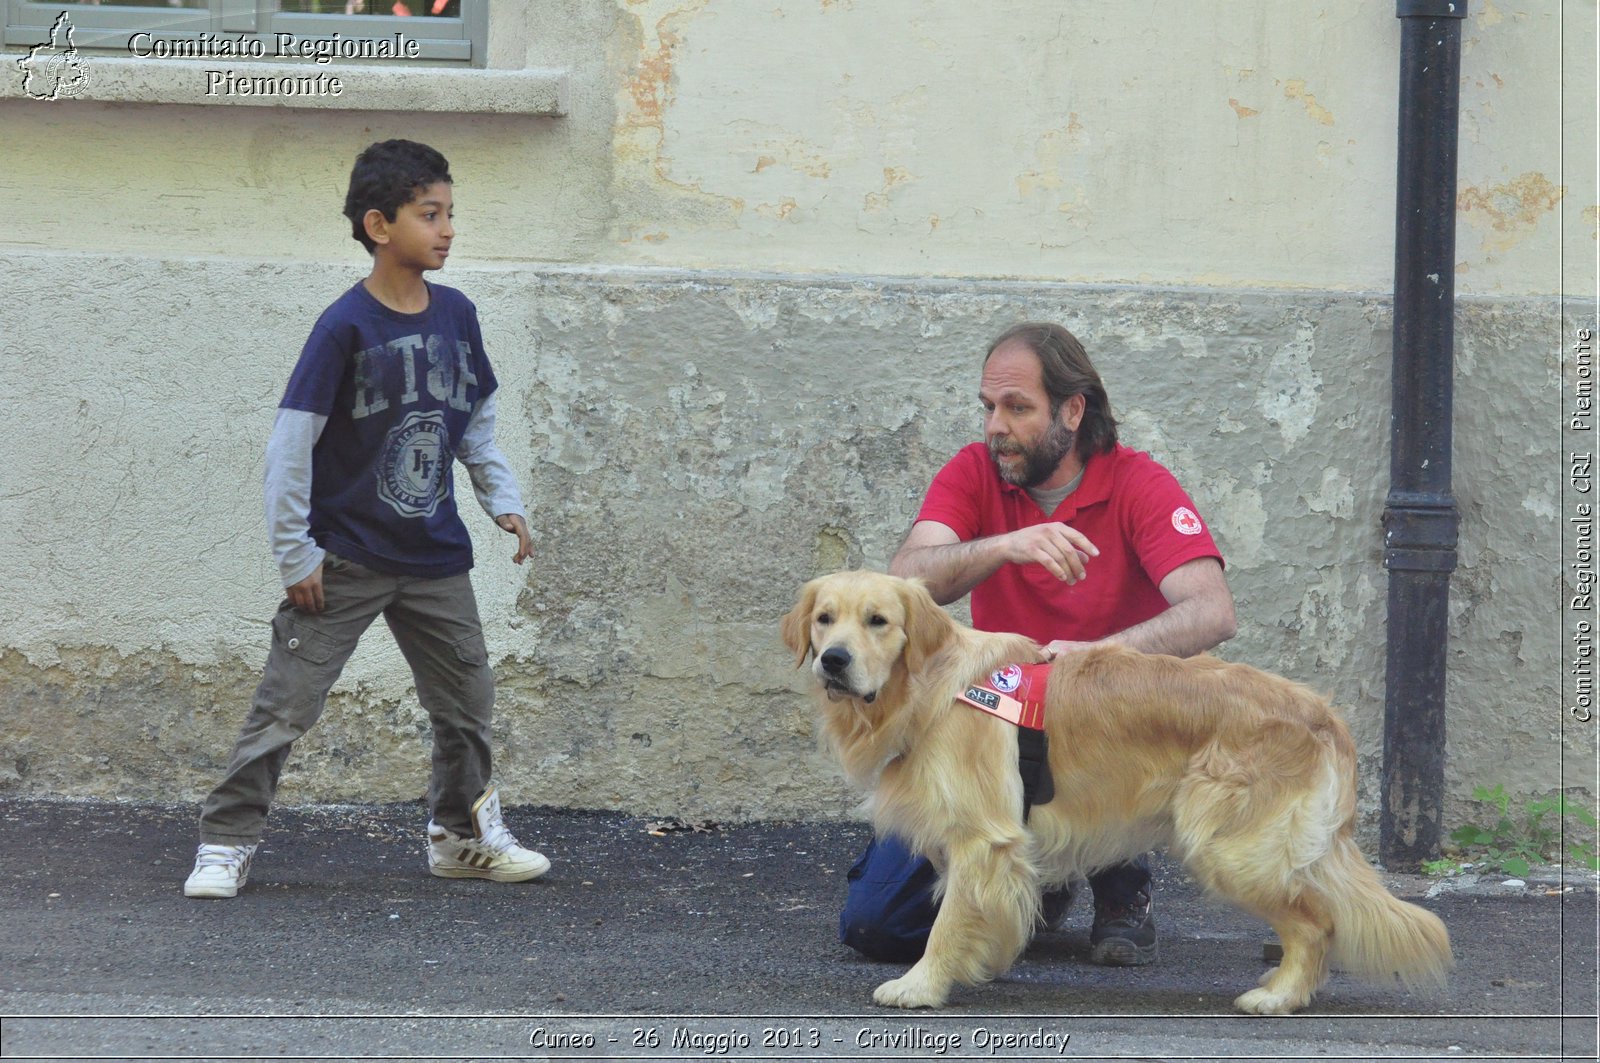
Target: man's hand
1062,647
1061,549
1199,615
513,523
306,595
935,554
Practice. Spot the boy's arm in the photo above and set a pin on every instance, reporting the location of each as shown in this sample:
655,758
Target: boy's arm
492,479
288,493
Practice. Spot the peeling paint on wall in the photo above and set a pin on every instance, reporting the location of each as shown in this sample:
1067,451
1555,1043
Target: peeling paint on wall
1295,89
693,123
692,447
1293,387
641,138
893,177
1511,211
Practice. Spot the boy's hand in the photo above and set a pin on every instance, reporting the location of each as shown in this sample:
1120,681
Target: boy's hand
306,595
513,523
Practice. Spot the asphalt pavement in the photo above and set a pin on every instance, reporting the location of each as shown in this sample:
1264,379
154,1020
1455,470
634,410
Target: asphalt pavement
663,940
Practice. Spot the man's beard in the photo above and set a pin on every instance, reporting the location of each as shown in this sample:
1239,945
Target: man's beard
1039,462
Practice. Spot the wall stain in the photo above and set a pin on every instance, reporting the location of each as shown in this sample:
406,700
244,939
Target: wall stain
797,155
1240,109
780,210
651,85
649,95
1295,89
893,177
1511,210
1053,147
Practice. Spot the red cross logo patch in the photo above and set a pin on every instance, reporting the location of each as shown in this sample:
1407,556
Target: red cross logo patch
1187,521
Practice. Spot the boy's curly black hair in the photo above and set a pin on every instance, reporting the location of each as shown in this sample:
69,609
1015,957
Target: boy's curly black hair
387,176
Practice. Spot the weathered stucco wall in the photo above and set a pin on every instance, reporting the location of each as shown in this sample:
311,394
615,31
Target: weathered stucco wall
1201,142
1210,142
712,392
693,446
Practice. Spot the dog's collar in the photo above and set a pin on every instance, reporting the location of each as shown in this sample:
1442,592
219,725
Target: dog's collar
1014,693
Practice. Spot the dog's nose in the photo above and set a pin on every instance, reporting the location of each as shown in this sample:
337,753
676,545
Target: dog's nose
835,660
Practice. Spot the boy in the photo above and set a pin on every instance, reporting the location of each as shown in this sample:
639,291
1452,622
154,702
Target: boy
391,386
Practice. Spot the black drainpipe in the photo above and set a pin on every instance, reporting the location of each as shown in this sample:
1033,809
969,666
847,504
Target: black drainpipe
1419,516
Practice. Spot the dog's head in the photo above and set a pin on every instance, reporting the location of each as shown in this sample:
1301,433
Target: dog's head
865,630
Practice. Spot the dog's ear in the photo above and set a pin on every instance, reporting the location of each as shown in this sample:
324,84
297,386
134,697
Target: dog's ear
796,624
928,627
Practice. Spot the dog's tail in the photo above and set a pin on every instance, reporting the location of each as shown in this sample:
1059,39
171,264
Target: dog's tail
1376,935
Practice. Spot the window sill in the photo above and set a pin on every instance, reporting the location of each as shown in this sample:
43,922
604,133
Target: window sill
308,86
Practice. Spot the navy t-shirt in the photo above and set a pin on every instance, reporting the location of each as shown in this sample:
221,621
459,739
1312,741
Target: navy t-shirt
398,390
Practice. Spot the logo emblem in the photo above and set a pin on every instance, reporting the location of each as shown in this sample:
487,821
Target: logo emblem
1007,679
1186,521
411,470
983,699
54,70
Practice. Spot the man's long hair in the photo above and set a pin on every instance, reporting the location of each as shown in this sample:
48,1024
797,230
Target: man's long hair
1067,372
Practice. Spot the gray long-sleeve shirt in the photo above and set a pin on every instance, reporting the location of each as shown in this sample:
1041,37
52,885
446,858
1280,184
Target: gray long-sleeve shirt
288,482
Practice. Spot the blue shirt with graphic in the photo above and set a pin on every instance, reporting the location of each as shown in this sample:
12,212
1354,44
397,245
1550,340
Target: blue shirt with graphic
398,391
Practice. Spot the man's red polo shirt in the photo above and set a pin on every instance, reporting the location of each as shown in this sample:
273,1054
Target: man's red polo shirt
1127,504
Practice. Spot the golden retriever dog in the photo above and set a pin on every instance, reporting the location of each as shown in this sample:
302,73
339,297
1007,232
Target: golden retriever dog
1246,777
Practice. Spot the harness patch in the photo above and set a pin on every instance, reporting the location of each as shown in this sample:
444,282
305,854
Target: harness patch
1007,679
1026,713
1026,682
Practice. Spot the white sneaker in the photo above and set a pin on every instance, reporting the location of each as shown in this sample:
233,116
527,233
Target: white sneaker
219,871
492,852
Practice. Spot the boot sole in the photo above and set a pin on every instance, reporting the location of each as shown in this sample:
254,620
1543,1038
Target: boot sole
1120,952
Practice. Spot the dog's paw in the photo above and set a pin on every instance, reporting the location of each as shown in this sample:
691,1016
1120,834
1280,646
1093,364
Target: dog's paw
1264,1002
910,991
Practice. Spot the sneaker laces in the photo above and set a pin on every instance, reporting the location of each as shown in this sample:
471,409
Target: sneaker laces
222,855
496,835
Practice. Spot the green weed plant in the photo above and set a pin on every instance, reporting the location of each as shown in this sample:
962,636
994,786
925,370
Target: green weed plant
1517,841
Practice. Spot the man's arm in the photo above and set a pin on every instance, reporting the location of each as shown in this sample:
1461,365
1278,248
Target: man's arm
934,553
1199,615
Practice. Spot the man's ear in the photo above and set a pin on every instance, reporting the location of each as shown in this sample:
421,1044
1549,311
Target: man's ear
1072,411
928,627
796,624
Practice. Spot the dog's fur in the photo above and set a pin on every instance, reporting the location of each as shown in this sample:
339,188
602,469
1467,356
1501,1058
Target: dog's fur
1246,777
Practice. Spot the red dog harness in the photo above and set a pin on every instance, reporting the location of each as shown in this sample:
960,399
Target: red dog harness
1016,695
